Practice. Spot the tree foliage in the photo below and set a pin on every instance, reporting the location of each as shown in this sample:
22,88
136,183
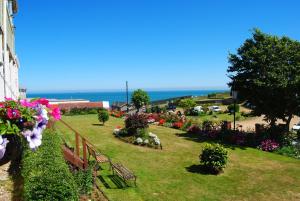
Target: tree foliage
140,98
103,115
187,103
266,72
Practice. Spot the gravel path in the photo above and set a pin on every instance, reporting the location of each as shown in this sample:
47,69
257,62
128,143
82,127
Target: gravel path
249,124
5,183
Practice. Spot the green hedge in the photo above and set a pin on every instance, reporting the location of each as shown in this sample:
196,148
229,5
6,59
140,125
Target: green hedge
46,174
80,111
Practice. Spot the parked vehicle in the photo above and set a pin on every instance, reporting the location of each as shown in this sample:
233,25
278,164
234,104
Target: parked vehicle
215,108
296,127
198,108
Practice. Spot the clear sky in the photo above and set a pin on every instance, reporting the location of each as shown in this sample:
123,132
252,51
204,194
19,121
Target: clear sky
154,44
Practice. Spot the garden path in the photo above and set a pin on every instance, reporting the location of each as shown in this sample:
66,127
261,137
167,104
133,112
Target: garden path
5,183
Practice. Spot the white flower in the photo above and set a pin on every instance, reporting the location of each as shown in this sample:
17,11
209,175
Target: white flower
152,135
44,114
116,131
139,140
146,141
3,143
156,141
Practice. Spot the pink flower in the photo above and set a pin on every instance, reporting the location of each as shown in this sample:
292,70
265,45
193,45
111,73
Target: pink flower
8,99
43,101
13,113
25,103
56,113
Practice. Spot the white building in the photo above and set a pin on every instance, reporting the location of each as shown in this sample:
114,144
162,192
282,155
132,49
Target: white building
9,64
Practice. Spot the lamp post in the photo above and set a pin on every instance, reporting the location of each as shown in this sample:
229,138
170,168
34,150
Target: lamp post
234,94
127,107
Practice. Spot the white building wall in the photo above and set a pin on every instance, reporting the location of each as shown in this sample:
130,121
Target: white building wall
9,69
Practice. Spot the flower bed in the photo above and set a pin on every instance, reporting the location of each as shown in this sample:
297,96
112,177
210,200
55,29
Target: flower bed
136,132
148,139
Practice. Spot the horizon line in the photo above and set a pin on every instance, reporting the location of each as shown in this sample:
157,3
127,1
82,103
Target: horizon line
130,90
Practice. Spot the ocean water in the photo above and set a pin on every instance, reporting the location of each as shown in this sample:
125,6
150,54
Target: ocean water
121,96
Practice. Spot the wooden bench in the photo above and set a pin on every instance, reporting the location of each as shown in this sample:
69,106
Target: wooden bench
123,172
99,157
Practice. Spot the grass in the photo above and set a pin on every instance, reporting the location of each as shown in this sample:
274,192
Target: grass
172,173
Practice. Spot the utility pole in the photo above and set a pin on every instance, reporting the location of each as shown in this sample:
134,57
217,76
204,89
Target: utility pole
127,96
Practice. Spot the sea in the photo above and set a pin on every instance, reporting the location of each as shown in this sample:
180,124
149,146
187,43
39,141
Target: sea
120,96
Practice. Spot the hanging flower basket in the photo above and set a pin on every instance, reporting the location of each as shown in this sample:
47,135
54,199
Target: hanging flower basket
27,119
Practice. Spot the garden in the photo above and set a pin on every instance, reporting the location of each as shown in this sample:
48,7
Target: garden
175,173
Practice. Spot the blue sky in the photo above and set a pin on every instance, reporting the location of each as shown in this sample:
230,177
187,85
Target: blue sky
154,44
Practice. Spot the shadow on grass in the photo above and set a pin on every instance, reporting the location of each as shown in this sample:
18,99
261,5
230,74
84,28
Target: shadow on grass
118,183
196,137
199,169
98,124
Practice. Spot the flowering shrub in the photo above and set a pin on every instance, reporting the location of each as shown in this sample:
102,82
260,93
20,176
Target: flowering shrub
195,129
134,122
213,158
117,114
268,145
161,122
27,119
177,125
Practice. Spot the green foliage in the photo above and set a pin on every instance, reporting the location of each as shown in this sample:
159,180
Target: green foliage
140,98
212,95
187,104
84,180
213,157
46,174
134,122
79,111
266,72
103,115
290,151
231,108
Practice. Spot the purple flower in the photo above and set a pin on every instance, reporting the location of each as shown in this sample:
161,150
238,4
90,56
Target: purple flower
3,143
34,137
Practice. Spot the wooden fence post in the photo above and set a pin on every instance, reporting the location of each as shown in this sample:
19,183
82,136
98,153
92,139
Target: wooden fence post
84,153
77,143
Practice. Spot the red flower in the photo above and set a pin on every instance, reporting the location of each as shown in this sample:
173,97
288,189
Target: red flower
177,125
161,122
13,113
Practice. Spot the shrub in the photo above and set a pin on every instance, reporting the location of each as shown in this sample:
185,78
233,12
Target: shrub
290,151
213,158
231,108
103,115
161,122
134,122
186,125
84,180
187,104
268,145
177,125
46,174
170,118
194,129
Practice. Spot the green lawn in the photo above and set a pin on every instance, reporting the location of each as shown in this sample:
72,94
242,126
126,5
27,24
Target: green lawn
171,173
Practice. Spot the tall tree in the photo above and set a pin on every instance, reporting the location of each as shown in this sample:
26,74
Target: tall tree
140,98
266,72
